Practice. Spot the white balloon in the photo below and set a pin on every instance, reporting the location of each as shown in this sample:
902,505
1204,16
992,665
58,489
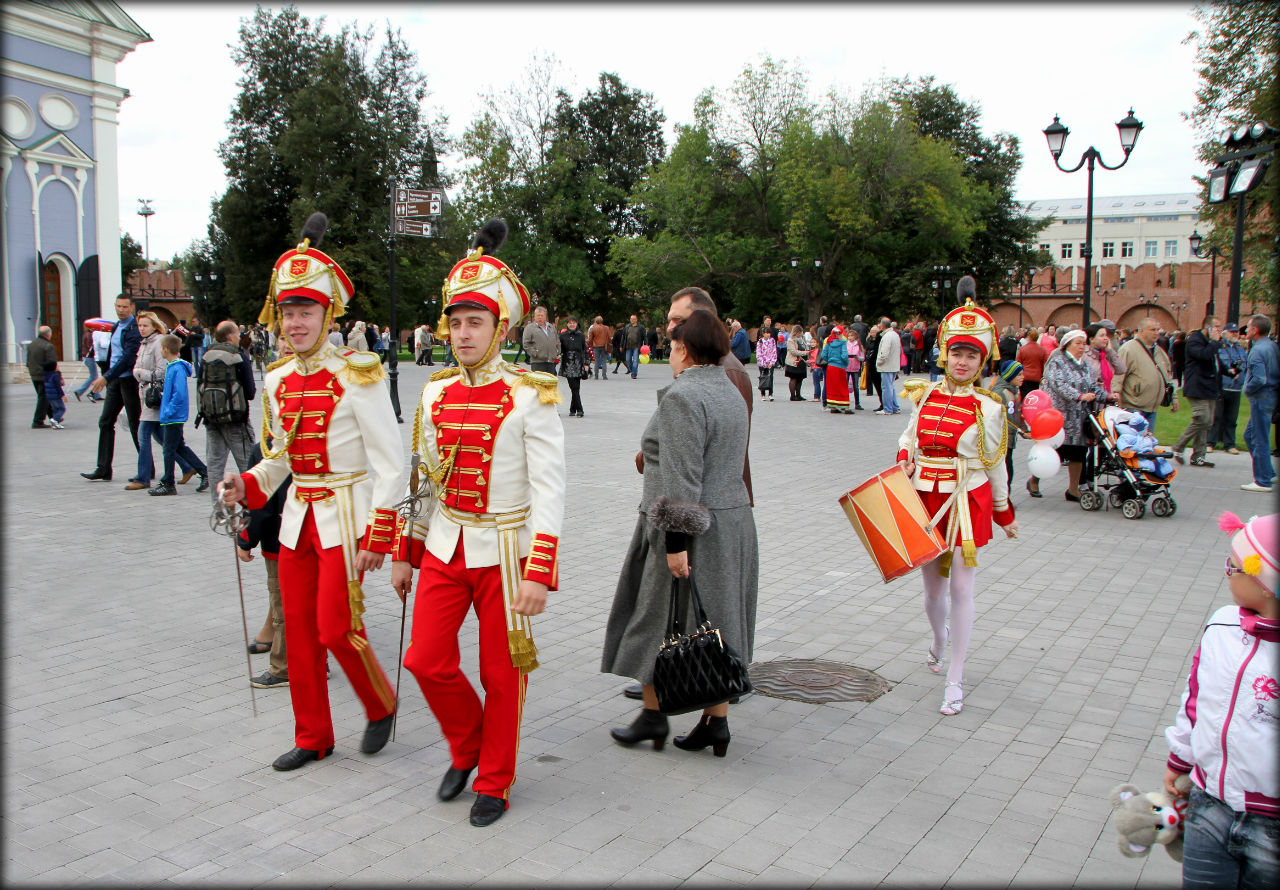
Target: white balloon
1058,438
1042,461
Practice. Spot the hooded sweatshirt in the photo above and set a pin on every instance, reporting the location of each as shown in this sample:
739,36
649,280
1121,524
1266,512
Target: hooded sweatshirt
174,405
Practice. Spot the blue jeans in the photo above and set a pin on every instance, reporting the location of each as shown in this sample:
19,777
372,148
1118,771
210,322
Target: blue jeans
93,375
1223,848
633,360
888,383
57,409
1151,420
148,430
175,449
1257,436
819,376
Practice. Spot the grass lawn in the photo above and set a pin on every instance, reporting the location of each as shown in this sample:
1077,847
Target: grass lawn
1169,426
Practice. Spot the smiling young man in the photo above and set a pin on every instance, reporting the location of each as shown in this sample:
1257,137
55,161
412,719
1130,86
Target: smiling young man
493,447
330,424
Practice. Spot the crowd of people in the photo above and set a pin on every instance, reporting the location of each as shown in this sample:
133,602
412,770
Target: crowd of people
493,471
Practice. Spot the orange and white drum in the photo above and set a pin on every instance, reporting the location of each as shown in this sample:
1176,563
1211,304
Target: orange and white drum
890,518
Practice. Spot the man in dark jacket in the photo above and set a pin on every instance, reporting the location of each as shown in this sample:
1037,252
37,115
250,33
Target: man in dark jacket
222,439
1201,385
121,387
40,353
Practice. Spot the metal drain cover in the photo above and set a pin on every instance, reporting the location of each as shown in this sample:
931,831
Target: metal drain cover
816,682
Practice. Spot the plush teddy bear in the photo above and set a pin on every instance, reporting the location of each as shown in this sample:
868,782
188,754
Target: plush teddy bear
1151,818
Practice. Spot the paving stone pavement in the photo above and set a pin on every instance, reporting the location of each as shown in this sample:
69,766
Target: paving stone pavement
131,754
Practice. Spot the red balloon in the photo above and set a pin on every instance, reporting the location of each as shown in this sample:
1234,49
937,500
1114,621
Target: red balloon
1034,402
644,350
1046,424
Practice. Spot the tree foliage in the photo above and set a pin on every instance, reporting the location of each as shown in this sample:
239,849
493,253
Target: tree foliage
785,206
1238,57
131,259
323,122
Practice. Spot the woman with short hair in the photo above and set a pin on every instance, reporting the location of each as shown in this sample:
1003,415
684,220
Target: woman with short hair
573,363
695,513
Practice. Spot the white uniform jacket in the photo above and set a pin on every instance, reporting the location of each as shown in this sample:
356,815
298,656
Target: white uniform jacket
943,431
1227,727
334,412
498,446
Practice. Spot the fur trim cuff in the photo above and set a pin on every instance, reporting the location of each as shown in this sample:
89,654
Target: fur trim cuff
691,519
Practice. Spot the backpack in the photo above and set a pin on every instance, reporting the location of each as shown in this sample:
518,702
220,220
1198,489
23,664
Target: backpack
220,395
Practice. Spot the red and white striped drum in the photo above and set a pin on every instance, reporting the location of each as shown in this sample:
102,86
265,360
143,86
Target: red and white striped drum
891,521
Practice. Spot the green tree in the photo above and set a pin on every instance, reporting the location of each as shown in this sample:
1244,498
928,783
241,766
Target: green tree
321,123
1238,57
131,259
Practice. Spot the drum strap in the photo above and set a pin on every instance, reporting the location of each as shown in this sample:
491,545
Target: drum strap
959,523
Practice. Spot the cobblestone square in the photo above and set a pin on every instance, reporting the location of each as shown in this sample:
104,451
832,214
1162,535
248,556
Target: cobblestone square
131,754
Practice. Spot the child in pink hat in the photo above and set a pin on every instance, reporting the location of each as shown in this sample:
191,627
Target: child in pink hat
1228,728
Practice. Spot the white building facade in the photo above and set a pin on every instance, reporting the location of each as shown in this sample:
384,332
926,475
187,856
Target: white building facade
60,248
1127,232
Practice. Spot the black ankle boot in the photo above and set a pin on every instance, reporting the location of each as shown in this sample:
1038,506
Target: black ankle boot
713,731
649,725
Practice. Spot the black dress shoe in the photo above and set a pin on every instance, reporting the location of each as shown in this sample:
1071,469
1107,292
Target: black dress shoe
204,484
635,690
298,757
487,810
710,731
376,734
97,475
1201,462
1072,497
649,726
453,783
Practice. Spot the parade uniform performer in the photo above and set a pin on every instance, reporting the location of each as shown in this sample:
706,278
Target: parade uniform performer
493,446
326,409
953,449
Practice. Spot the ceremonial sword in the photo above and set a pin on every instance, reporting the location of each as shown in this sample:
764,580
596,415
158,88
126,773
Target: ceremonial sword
410,508
230,521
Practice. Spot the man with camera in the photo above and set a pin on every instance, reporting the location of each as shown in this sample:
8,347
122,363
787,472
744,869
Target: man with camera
1148,374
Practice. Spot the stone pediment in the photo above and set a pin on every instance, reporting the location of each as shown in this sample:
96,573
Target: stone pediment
58,149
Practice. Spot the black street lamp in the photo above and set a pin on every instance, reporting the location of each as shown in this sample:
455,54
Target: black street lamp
1173,304
1106,293
1250,148
205,283
1056,135
1213,252
941,279
807,291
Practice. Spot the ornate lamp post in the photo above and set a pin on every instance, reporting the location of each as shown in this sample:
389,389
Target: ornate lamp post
1250,148
1173,304
1212,252
1056,135
1106,293
145,211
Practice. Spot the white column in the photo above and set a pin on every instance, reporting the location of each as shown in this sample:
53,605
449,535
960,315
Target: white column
106,107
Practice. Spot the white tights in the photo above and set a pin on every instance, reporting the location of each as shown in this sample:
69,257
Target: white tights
961,602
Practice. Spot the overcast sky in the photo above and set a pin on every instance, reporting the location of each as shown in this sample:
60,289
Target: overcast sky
1022,63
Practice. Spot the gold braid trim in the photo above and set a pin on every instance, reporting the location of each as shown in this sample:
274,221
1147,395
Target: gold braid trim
524,655
355,599
548,392
279,363
988,460
363,376
445,374
275,453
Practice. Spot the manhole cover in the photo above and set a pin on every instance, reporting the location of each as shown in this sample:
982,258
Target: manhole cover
817,681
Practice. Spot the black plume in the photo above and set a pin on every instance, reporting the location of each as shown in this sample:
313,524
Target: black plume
491,236
967,287
314,228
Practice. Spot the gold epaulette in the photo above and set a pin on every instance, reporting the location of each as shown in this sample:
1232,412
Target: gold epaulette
280,361
547,386
989,394
914,390
363,367
445,373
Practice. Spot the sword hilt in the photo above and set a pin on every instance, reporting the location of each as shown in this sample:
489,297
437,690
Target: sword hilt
229,521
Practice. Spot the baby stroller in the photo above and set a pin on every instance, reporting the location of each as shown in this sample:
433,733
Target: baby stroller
1115,477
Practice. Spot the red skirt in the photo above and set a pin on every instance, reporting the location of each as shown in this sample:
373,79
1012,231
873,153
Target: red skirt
980,511
837,387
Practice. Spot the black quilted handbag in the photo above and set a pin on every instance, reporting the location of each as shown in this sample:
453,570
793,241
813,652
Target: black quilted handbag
695,670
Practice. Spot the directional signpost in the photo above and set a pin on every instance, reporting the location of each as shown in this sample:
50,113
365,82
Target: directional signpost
406,204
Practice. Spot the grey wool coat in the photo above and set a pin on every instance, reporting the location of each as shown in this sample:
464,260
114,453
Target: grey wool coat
693,448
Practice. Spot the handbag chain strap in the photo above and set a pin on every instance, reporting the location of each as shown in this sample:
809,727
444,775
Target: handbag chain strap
674,628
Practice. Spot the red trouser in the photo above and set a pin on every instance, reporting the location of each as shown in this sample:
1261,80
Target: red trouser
317,616
488,735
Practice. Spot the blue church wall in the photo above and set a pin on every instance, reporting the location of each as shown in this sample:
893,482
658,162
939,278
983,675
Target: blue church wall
81,133
51,58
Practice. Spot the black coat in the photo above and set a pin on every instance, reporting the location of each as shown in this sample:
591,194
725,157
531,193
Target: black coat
1200,379
573,353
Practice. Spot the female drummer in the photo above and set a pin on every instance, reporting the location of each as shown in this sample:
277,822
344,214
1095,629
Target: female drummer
953,450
